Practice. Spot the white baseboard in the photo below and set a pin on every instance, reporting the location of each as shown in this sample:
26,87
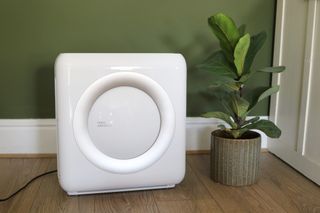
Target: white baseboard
198,134
37,136
27,136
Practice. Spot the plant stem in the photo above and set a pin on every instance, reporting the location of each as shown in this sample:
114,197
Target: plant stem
240,90
239,120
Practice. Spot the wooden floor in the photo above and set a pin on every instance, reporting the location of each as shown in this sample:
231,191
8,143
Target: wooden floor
280,189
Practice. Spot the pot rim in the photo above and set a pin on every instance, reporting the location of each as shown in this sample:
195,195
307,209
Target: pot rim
213,133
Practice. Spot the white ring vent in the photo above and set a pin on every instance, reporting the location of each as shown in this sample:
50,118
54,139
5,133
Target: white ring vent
80,122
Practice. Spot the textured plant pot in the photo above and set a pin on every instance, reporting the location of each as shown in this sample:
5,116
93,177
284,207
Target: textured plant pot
235,162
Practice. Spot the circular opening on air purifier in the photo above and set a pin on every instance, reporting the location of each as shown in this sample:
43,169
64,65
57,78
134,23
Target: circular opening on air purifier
124,122
104,85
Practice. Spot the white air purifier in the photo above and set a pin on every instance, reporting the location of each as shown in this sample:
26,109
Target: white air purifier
120,121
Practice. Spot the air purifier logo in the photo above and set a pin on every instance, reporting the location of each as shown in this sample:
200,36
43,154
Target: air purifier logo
105,120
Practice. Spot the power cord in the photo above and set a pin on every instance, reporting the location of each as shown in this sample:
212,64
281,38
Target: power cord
30,181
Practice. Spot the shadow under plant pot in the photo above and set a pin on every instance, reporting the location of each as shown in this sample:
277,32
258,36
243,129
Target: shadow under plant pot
235,162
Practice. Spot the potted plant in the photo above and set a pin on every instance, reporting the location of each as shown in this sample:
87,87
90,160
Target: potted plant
235,148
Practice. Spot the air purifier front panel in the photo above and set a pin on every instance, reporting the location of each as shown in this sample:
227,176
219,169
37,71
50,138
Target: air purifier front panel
121,121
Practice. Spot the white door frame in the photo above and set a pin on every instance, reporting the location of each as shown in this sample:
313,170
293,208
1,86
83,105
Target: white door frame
297,157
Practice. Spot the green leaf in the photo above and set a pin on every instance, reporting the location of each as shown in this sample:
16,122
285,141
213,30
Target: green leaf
223,98
227,26
227,108
268,127
252,93
220,81
239,106
218,64
228,86
221,126
246,76
252,120
224,43
232,86
222,116
256,43
264,95
242,29
226,31
224,83
240,53
273,69
268,92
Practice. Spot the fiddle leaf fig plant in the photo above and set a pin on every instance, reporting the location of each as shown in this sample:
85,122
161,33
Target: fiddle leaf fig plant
231,68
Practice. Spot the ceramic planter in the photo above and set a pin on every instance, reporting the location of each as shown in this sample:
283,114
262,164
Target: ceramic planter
235,162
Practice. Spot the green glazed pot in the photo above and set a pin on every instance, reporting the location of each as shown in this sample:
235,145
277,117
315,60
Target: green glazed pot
235,162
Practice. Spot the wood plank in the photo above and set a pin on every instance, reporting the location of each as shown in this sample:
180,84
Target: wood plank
51,198
186,206
271,187
279,189
28,155
189,188
189,196
24,200
141,201
276,198
231,199
277,194
301,192
8,179
86,203
226,200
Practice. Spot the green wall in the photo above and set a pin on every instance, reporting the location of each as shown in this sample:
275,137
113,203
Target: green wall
33,33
